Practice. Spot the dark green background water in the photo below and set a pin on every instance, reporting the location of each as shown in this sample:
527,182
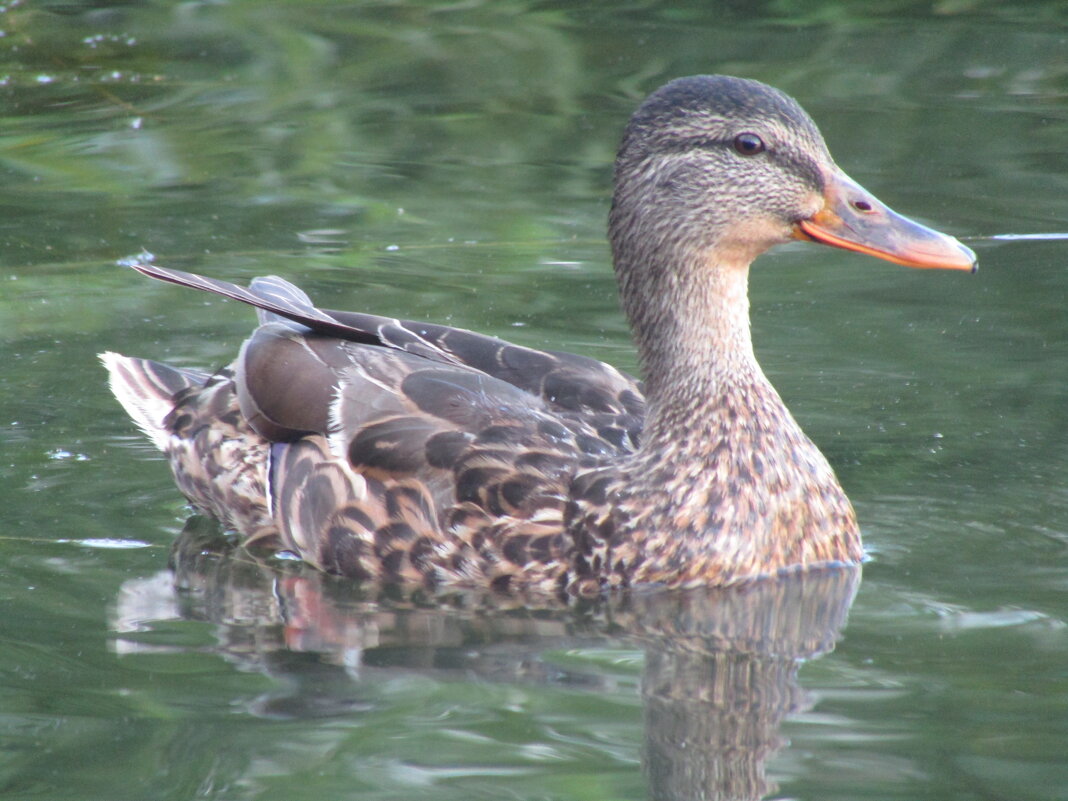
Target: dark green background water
451,161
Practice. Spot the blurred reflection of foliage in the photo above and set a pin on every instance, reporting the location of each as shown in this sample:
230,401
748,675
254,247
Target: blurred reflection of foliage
169,97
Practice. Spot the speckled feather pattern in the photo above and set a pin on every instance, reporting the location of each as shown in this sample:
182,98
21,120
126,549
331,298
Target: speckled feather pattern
378,448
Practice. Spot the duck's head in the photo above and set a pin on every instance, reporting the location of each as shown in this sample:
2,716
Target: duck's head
724,168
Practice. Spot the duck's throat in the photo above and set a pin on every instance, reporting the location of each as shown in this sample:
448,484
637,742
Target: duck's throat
694,340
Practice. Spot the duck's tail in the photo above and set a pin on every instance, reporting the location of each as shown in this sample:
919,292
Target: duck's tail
146,390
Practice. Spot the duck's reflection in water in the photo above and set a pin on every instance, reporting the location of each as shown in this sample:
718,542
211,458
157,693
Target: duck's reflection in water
719,676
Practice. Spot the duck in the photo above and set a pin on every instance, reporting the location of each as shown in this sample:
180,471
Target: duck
390,450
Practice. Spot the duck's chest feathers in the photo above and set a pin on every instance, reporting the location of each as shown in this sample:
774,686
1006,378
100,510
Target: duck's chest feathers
736,490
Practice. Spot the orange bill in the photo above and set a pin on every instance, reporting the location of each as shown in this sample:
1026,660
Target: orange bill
853,219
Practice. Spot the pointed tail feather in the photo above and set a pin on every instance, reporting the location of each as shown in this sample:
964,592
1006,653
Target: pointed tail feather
146,390
271,294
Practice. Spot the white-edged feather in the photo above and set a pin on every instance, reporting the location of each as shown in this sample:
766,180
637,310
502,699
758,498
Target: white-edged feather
146,390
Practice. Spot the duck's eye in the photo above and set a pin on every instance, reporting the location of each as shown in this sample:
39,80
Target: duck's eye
748,144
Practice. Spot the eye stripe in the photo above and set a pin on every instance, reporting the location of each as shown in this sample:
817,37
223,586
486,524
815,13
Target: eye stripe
807,168
693,143
684,144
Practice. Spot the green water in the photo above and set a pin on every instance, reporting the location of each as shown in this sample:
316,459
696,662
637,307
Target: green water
450,161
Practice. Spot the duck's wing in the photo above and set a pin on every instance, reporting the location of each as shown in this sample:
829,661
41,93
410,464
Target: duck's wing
568,382
414,468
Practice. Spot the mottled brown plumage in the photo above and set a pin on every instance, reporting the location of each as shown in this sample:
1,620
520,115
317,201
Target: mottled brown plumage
385,449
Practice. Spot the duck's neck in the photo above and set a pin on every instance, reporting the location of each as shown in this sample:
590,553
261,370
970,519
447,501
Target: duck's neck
694,342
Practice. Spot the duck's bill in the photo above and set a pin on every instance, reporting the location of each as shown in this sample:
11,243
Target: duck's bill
853,219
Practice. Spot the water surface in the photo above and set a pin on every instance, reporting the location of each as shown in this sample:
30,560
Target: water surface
452,162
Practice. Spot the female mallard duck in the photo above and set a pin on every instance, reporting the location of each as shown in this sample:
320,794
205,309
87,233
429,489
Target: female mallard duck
378,448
